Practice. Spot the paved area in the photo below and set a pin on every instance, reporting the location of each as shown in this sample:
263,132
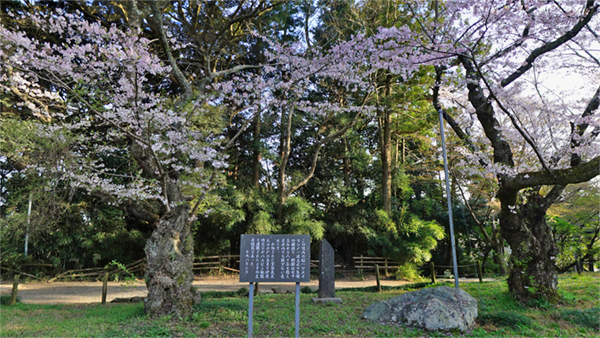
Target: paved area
91,292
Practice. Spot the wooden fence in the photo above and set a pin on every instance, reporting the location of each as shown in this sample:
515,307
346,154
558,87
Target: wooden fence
230,263
136,268
217,263
368,264
203,265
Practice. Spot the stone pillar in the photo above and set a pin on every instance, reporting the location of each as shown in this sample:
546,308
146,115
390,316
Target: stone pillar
326,274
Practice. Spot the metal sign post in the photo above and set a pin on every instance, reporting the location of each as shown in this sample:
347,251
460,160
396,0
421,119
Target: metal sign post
297,322
250,309
274,258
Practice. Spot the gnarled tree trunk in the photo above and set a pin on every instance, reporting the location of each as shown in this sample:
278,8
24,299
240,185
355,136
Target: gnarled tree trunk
533,273
170,257
500,259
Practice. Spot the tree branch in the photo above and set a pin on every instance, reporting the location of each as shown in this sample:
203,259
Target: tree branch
177,73
322,142
453,124
591,10
513,119
579,174
577,131
486,115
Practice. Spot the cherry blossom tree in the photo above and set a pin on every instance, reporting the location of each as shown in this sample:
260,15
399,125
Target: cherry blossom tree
98,91
534,136
101,76
111,106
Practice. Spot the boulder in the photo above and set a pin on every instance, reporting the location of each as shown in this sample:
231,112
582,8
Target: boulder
442,308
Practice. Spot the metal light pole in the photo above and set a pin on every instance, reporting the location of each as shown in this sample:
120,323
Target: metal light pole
28,224
450,218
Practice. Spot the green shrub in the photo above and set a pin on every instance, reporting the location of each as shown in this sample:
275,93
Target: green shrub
409,272
542,304
306,290
243,292
220,304
5,299
220,294
502,318
588,318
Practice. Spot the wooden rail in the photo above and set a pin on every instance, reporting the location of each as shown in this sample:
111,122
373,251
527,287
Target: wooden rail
370,263
220,263
201,265
135,267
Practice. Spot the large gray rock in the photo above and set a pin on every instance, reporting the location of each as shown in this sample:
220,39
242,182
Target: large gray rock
442,308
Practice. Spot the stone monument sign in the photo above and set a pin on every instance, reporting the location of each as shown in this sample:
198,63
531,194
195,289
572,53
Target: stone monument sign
326,274
275,258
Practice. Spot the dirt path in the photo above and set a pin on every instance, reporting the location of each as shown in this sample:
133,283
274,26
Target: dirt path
91,292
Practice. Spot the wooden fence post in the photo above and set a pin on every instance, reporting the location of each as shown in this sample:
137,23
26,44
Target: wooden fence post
104,287
15,289
479,272
432,269
377,276
361,263
386,268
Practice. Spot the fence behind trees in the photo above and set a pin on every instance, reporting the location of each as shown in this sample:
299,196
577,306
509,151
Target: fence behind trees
226,264
202,266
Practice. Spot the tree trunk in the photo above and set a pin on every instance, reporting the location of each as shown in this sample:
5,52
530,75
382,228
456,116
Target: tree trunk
385,127
499,259
485,257
386,162
170,257
533,273
285,139
346,165
256,151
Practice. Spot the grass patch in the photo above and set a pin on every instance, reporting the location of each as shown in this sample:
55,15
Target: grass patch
225,294
307,290
225,314
587,318
508,319
407,287
5,299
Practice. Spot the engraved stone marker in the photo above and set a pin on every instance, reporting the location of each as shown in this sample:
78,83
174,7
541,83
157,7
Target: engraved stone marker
326,274
326,270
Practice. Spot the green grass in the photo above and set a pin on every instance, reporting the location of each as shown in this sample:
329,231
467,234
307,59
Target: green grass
225,314
5,299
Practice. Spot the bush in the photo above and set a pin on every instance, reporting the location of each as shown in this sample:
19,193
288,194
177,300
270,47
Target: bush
243,291
5,299
588,318
508,319
409,272
306,290
542,304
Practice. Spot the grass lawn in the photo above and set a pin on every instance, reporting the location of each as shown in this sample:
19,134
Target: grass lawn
224,314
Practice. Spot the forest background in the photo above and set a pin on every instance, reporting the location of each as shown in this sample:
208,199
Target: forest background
349,155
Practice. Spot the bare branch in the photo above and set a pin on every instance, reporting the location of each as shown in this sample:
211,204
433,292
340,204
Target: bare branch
513,119
177,73
590,9
453,124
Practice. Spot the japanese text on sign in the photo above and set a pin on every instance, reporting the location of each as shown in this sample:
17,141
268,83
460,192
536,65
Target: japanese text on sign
275,258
